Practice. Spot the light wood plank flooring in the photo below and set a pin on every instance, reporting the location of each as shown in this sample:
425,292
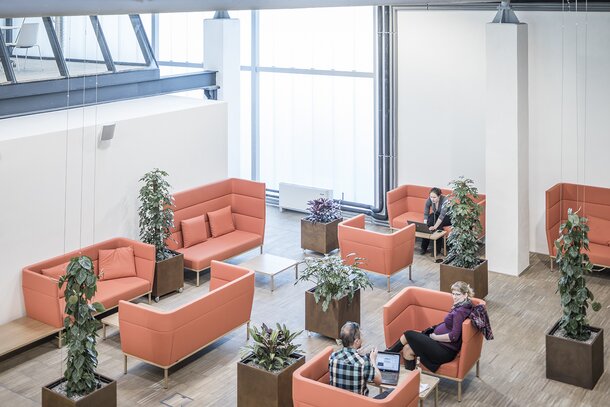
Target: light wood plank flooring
512,365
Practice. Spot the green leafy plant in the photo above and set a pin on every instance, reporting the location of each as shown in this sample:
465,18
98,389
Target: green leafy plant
156,212
335,278
573,262
272,349
466,225
81,327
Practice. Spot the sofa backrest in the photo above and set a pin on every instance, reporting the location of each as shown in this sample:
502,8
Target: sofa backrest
246,198
417,196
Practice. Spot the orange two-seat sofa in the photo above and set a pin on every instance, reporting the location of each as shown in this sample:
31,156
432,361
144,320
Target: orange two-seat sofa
247,201
383,253
416,308
591,202
45,302
164,338
311,388
406,203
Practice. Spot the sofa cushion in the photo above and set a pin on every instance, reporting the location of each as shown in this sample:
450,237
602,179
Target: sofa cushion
194,231
200,256
221,221
599,254
599,230
401,220
449,369
56,271
117,263
110,292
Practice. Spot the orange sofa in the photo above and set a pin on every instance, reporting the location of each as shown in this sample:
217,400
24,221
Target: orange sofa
384,253
164,338
247,201
416,308
593,203
311,388
407,202
45,302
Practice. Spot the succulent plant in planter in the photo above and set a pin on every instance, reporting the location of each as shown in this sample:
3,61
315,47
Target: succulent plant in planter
319,228
463,262
579,359
80,384
336,297
156,220
264,375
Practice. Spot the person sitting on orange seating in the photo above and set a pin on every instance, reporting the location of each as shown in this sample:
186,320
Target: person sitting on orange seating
435,215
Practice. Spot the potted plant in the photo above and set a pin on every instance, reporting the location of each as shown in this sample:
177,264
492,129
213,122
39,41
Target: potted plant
319,228
336,297
80,386
463,262
574,350
156,220
264,375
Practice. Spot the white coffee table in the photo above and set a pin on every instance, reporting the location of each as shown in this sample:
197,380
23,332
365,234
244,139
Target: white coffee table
271,265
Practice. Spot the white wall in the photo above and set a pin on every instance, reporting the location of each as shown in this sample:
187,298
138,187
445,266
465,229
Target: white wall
441,101
61,191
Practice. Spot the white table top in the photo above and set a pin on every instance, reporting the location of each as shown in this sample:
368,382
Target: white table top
269,264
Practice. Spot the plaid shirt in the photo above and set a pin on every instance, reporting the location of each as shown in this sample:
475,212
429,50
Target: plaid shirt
350,371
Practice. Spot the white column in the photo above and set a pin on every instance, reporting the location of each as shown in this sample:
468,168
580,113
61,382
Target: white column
506,173
221,53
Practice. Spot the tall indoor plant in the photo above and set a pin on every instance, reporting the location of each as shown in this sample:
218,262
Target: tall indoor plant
264,375
156,213
336,297
319,228
463,262
574,350
80,386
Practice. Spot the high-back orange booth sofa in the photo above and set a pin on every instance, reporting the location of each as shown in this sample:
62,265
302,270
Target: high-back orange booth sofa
244,230
311,388
590,202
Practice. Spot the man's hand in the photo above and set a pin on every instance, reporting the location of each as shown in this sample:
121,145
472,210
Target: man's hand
432,228
374,356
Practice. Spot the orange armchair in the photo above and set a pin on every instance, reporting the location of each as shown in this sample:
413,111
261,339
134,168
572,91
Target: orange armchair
384,253
416,308
311,388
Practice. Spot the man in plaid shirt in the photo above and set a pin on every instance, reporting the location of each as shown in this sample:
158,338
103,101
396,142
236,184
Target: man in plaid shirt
347,368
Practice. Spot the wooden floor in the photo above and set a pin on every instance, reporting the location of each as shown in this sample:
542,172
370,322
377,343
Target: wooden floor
512,366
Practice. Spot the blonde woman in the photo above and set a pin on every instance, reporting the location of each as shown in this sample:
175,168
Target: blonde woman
441,343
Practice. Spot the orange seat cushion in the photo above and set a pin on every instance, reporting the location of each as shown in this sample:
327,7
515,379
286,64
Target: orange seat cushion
221,221
110,292
402,220
194,231
447,369
599,254
117,263
56,271
200,256
599,231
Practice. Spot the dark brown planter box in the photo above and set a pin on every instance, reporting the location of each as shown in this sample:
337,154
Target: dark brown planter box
476,278
319,237
339,312
105,396
260,388
169,276
574,362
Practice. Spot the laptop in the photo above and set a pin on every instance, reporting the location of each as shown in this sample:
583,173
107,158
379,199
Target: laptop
389,366
420,226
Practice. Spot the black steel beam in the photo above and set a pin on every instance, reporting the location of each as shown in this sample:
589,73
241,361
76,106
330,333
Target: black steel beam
101,40
56,47
5,59
147,51
43,96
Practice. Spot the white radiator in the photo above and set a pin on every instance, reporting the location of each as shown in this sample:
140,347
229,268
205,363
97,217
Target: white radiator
295,197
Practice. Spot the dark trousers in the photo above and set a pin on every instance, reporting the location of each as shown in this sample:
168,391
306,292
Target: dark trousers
432,218
432,354
384,394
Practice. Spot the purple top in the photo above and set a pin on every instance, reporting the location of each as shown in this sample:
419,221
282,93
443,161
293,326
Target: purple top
452,325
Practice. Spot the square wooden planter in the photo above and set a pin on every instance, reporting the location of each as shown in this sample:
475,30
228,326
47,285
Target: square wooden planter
329,323
260,388
105,396
169,276
476,278
319,237
574,362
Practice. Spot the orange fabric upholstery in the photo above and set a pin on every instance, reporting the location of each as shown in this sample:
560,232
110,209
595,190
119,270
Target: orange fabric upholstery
247,202
194,231
416,308
117,263
593,203
407,202
221,221
310,388
44,300
163,338
385,254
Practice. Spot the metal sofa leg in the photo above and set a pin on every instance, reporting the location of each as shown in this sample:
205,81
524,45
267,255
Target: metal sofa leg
165,379
478,369
388,283
124,364
459,391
